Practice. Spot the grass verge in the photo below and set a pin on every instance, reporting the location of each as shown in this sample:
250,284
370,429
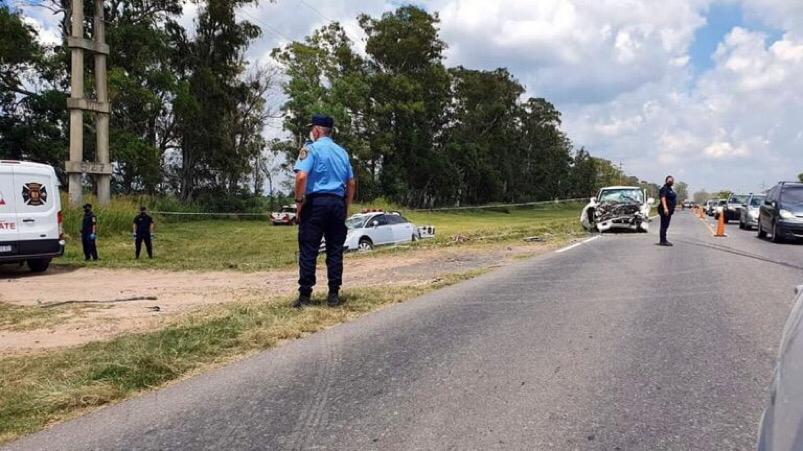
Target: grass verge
40,389
256,246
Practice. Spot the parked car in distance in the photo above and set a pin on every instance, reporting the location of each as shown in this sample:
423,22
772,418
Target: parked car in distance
780,426
378,228
285,216
749,213
733,206
719,206
31,221
618,207
709,207
781,213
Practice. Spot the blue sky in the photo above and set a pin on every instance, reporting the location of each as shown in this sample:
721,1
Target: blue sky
721,18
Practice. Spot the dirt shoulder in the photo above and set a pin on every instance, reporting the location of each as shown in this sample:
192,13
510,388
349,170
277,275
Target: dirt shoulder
86,305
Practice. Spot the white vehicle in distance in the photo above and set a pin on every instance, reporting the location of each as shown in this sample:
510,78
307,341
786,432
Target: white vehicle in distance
378,228
285,216
618,207
31,228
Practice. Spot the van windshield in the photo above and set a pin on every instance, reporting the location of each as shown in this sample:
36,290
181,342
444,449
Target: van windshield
792,195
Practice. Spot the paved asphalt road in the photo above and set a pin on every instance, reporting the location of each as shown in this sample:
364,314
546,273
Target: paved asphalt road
613,344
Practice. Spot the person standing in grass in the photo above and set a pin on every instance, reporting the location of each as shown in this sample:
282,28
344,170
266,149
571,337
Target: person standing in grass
324,189
143,232
89,230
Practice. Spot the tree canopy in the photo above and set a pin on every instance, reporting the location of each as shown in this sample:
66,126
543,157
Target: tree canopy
189,111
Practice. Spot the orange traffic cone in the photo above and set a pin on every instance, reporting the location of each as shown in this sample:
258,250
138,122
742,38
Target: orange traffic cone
721,225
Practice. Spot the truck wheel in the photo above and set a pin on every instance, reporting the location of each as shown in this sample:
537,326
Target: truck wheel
38,265
365,244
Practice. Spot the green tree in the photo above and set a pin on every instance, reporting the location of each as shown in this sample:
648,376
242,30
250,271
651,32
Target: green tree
409,91
31,118
211,98
682,190
800,177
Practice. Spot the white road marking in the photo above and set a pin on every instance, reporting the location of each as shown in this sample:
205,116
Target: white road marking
572,246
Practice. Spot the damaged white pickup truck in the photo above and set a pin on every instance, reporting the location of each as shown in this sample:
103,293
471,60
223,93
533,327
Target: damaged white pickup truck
618,207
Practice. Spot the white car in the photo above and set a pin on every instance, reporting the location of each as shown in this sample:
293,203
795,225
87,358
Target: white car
31,228
286,216
618,207
378,228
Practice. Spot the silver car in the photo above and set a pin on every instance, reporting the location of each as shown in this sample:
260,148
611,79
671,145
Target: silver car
781,427
749,211
370,229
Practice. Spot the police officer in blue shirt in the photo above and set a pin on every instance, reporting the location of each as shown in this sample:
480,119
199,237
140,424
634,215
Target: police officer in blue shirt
666,208
324,189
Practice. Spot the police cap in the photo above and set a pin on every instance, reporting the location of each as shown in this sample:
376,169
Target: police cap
322,120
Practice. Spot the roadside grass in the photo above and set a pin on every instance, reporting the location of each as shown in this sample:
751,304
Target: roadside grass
251,245
37,390
20,318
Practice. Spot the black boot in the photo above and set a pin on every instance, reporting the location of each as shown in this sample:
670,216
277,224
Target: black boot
333,300
301,301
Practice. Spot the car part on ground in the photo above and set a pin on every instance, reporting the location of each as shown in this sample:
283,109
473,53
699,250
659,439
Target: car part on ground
618,207
781,425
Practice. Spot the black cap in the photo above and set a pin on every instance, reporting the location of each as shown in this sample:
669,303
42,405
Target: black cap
322,120
142,208
87,206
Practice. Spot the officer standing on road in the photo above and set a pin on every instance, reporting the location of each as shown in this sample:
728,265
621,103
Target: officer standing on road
666,208
143,232
324,189
89,230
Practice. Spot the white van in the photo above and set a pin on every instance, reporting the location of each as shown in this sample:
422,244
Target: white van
31,228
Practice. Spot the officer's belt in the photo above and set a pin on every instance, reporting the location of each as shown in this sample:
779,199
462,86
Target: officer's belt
314,195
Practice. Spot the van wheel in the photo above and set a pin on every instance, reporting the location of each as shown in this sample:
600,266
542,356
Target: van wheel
761,232
39,265
776,238
365,244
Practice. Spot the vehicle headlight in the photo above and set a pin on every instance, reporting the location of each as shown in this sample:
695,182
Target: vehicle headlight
753,214
786,214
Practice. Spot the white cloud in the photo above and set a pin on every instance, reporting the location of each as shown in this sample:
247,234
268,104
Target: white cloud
621,73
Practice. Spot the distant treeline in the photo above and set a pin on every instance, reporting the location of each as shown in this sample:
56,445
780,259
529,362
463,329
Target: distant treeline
188,110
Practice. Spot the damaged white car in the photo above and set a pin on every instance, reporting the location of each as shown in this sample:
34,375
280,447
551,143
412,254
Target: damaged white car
618,207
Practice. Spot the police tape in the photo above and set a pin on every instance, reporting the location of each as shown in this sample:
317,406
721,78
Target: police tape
200,213
466,207
491,206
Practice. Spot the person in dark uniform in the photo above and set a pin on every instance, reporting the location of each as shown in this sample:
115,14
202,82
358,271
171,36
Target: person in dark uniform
666,208
324,189
89,230
143,232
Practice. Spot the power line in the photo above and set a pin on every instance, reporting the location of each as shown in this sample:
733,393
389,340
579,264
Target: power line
322,16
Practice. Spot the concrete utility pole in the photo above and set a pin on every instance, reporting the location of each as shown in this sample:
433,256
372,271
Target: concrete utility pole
76,167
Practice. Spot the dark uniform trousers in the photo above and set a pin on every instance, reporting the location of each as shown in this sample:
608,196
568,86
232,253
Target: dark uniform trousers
664,223
322,216
90,247
138,240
